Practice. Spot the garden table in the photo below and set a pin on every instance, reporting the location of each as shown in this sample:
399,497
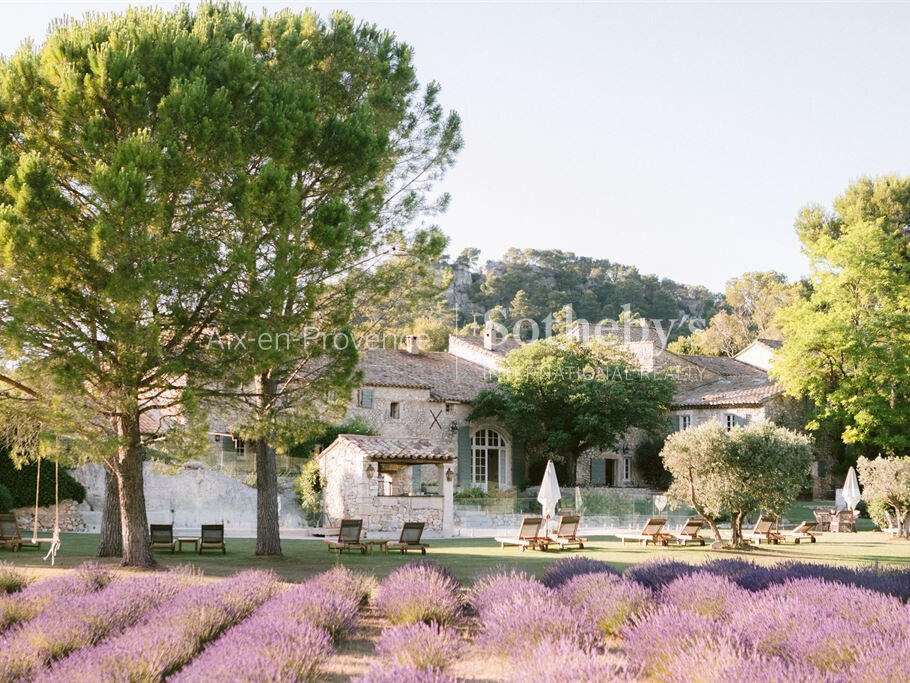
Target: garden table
181,540
383,546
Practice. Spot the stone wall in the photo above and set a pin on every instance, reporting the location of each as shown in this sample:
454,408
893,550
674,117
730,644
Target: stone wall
191,496
71,518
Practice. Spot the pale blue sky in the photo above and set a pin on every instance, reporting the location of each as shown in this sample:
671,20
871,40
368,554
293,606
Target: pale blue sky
681,139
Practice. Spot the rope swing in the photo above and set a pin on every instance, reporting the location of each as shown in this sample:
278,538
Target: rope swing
55,540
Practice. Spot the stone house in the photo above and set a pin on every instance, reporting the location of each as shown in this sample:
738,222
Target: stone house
369,478
413,393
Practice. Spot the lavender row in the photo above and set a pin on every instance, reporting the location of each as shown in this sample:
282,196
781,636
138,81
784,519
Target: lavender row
75,622
51,594
171,635
287,639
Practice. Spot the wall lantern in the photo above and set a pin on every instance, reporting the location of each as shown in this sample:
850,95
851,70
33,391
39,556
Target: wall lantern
453,426
370,471
450,474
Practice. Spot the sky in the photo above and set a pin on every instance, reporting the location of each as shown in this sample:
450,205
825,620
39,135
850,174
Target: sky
682,139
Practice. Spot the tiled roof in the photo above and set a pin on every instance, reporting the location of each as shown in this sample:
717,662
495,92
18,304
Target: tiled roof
735,390
630,332
500,348
725,366
447,377
771,343
390,448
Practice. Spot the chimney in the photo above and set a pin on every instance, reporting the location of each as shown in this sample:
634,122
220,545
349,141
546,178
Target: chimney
411,344
489,336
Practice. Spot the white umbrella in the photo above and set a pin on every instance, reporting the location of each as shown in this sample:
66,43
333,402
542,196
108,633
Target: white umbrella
549,493
850,492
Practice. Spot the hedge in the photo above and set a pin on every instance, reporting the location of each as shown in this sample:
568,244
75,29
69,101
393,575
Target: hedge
21,483
6,499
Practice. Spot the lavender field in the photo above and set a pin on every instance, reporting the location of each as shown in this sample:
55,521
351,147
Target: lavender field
725,620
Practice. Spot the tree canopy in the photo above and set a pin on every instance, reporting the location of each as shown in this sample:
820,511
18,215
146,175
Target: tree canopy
847,346
561,397
886,488
757,468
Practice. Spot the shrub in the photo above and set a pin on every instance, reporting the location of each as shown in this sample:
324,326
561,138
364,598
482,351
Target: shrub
308,486
21,483
333,612
6,499
704,594
515,626
265,647
568,567
80,622
421,646
168,637
607,600
419,591
657,573
12,579
342,581
499,585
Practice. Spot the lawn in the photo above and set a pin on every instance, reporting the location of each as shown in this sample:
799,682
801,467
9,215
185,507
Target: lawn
467,557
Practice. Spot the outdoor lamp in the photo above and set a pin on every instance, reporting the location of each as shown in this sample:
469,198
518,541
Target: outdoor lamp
450,474
453,426
370,471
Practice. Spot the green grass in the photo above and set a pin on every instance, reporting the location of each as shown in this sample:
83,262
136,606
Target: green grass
466,557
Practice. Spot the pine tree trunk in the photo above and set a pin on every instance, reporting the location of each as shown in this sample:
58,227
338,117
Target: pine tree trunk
111,541
268,540
137,549
571,467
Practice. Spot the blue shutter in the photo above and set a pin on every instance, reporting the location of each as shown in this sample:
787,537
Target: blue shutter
518,464
366,400
464,457
598,471
739,421
415,478
674,423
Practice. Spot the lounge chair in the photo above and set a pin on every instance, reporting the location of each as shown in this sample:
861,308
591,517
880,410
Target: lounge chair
212,538
567,532
652,532
348,537
802,531
763,531
11,537
528,536
162,537
689,532
410,539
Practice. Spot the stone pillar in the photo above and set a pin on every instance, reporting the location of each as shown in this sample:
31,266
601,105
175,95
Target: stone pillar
447,488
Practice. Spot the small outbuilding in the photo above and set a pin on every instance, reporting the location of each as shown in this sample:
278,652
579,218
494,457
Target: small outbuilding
387,481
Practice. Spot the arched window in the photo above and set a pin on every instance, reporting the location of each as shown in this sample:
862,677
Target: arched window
489,459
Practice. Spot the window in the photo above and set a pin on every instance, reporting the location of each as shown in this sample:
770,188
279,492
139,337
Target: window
731,421
488,459
239,446
685,421
448,407
394,410
627,469
365,398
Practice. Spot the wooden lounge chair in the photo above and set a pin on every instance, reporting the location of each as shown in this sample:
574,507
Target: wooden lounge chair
528,536
11,537
763,531
652,532
162,537
802,531
348,537
212,538
567,532
689,532
410,539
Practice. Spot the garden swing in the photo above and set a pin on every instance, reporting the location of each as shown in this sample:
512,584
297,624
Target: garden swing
55,539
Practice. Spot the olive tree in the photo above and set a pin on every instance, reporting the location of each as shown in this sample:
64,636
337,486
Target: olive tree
886,487
733,473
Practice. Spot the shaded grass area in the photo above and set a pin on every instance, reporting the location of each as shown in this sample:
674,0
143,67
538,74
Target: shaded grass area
467,557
